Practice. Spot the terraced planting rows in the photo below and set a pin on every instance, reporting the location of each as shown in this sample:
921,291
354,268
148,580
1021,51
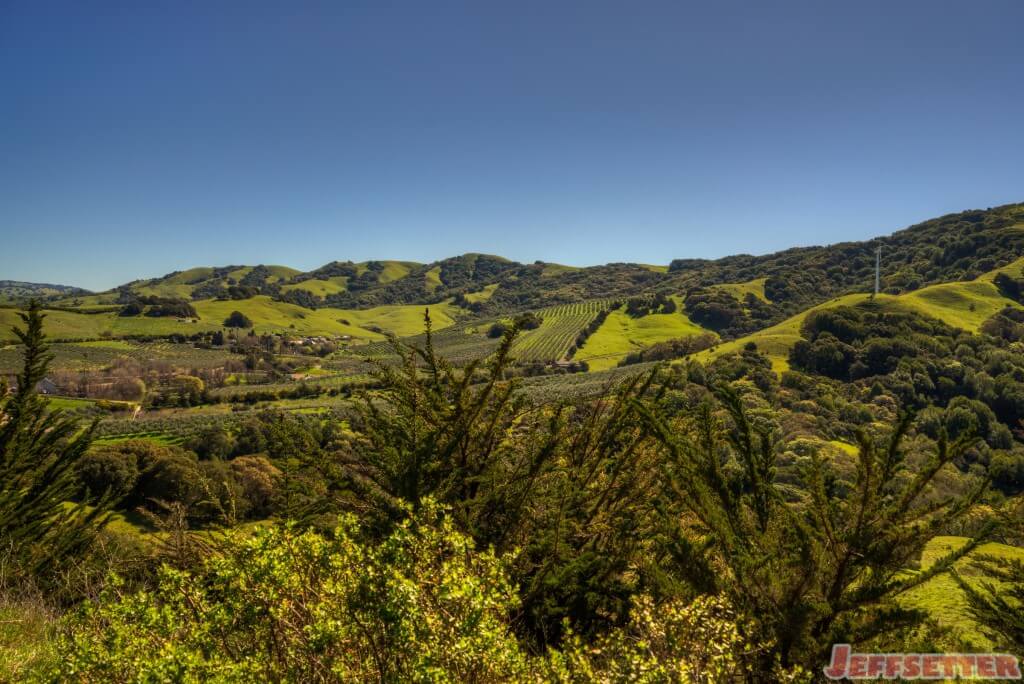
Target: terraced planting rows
560,326
456,344
557,388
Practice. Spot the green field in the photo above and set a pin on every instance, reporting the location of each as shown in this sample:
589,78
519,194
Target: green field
621,334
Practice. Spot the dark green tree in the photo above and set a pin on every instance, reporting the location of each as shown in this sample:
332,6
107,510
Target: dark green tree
995,603
39,450
827,569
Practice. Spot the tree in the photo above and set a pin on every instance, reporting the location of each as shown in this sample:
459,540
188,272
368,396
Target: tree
826,570
237,319
39,450
995,603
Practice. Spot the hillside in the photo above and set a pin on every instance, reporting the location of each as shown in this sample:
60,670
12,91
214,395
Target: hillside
964,305
943,267
15,291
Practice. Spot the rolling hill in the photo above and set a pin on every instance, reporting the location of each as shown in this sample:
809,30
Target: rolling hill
943,267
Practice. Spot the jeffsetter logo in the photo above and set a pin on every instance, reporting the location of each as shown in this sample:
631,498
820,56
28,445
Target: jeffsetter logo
848,665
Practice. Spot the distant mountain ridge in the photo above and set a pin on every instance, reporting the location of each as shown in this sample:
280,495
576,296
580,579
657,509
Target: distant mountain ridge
950,248
16,290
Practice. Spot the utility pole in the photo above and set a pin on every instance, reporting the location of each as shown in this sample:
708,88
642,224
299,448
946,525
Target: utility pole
878,269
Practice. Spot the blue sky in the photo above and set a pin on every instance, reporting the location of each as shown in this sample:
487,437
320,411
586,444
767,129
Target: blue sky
141,138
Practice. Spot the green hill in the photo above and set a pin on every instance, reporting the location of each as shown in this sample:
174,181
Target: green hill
621,334
964,305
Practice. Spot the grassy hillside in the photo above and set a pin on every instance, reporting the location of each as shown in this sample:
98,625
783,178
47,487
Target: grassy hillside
621,334
267,315
964,305
183,284
321,287
741,290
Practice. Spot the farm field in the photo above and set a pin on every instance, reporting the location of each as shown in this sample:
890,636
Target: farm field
558,330
621,334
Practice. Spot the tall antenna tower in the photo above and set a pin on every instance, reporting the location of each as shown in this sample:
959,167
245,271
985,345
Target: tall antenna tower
878,269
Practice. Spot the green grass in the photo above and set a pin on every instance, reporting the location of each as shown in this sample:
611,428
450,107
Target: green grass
402,319
395,270
483,295
68,403
322,287
550,270
942,597
962,305
319,287
28,632
621,334
433,279
741,290
266,314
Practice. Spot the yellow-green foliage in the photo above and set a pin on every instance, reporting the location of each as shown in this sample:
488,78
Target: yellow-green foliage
741,290
943,598
282,605
621,334
423,604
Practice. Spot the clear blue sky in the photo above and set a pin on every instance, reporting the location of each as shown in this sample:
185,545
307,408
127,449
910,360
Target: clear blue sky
140,138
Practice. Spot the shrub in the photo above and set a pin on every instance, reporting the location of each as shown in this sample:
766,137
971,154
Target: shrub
283,605
237,319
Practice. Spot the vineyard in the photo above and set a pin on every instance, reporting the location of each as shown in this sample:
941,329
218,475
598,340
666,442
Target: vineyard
455,344
558,331
558,388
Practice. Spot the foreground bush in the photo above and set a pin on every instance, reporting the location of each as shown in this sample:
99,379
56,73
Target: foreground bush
423,605
295,606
